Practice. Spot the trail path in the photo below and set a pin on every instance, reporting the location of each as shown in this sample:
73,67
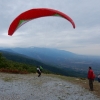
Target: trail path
31,87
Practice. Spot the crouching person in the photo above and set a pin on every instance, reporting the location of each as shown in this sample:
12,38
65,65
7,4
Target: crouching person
38,71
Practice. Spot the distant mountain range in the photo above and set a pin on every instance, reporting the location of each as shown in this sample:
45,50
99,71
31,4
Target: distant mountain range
59,58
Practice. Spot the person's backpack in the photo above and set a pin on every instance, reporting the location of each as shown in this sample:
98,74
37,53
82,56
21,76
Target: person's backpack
41,68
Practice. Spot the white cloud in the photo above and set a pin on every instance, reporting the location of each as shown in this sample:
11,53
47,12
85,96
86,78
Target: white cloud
53,31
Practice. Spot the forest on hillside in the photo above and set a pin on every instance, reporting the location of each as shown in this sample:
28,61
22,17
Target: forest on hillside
16,63
10,66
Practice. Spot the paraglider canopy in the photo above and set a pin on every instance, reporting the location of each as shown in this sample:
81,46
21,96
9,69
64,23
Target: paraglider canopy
33,14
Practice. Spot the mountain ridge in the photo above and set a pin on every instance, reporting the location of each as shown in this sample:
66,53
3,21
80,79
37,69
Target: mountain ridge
60,58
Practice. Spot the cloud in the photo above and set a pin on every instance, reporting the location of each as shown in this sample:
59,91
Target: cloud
53,32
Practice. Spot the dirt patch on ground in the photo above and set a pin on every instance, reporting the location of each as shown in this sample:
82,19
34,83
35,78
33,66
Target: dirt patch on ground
46,87
83,83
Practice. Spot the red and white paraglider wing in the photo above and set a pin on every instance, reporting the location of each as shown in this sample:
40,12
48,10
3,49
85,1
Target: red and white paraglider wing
33,14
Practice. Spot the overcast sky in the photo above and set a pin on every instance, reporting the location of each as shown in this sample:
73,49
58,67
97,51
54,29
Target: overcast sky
53,32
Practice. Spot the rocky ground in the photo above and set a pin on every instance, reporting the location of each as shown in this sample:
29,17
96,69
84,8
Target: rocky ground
46,87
